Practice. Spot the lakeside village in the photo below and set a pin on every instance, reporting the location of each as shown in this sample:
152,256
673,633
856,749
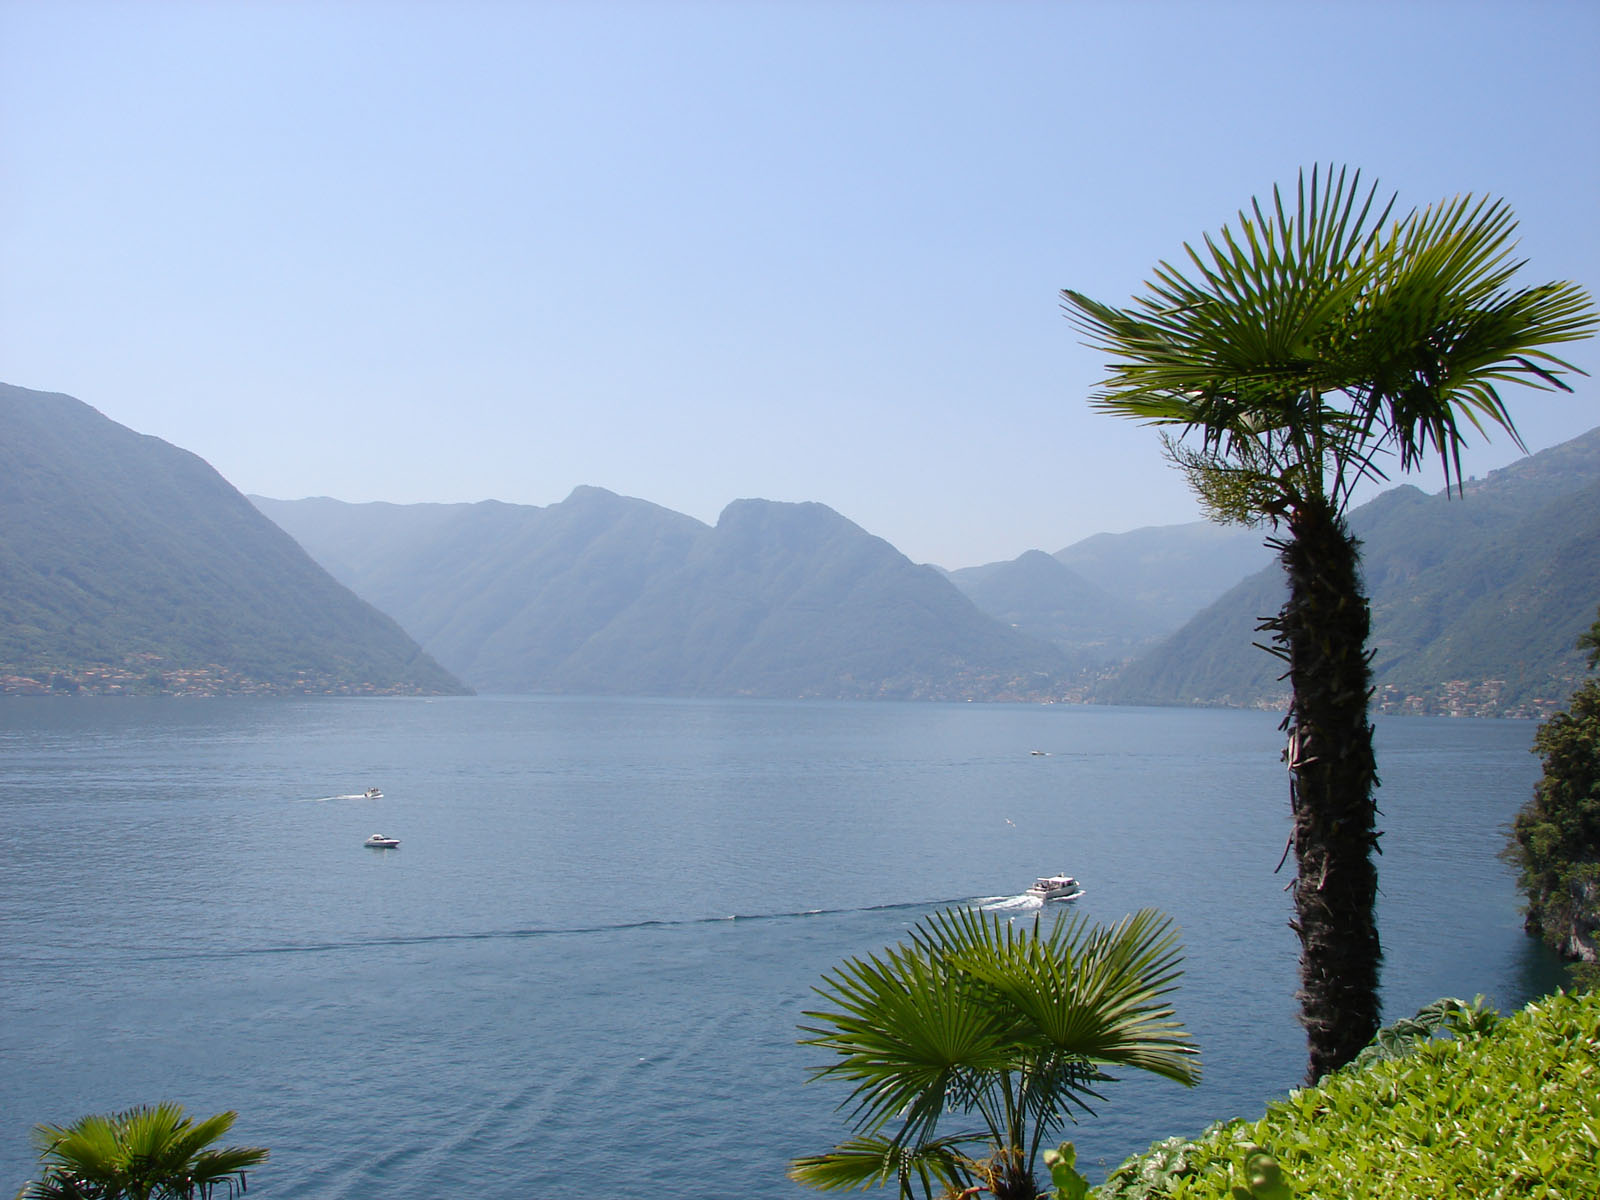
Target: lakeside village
1461,698
141,675
1453,698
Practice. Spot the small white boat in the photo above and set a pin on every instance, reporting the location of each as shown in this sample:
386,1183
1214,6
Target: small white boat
373,793
378,842
1055,887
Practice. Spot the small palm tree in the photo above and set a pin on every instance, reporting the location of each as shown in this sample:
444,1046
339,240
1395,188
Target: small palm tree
977,1017
1306,347
146,1153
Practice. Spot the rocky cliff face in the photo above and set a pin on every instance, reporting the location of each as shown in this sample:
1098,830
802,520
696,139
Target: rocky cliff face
1576,937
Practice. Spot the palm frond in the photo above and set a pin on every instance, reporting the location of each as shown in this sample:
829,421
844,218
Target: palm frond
864,1162
1308,341
149,1150
977,1016
906,1033
1441,325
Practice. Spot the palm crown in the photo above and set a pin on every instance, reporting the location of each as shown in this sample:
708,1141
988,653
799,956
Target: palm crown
147,1153
975,1016
1324,334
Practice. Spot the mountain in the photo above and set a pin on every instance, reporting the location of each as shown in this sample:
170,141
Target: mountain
1110,596
1477,599
1170,572
127,564
604,594
1039,595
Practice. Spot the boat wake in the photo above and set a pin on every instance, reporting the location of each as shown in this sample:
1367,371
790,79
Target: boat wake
326,799
985,903
1006,904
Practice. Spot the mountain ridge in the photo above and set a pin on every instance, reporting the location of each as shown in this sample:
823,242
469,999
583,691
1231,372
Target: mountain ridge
1476,598
605,594
129,564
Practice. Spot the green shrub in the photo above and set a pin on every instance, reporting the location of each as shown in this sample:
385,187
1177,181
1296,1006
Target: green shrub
1555,838
1498,1110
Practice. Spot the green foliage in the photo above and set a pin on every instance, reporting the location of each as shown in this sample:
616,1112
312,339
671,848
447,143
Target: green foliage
1264,1178
1446,1017
977,1017
1556,836
1065,1181
1589,640
1500,1109
146,1153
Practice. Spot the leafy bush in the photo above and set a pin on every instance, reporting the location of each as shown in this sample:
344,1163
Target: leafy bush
1497,1110
1556,836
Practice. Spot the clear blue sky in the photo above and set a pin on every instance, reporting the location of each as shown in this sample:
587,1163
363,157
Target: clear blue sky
694,252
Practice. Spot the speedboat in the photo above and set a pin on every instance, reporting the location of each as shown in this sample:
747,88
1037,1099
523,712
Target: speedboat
1055,887
372,793
378,842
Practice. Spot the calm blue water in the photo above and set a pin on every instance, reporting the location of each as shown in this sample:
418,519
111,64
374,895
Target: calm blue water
582,970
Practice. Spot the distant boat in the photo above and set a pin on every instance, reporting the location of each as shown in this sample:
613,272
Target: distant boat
1055,887
378,842
373,793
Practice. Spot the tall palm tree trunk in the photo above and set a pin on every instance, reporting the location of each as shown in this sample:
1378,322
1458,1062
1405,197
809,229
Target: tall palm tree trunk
1322,634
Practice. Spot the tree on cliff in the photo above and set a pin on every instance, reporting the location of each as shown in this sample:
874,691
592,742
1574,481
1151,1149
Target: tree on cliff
1313,343
1556,836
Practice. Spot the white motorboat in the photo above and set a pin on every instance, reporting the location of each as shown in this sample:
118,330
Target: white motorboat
378,842
1055,887
373,793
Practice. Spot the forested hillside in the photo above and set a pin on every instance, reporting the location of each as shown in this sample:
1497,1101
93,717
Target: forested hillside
1476,599
129,565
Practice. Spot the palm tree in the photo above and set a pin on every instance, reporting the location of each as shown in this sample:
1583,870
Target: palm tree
1310,347
975,1016
146,1153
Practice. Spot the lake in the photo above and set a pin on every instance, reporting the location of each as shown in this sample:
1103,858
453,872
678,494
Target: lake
583,967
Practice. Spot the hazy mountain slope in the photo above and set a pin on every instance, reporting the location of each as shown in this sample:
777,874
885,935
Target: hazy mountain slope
118,549
606,594
1492,585
1168,571
1039,595
502,592
356,539
792,599
1212,659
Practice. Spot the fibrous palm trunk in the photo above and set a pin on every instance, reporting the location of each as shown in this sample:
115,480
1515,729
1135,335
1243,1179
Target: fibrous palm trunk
1007,1177
1322,635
